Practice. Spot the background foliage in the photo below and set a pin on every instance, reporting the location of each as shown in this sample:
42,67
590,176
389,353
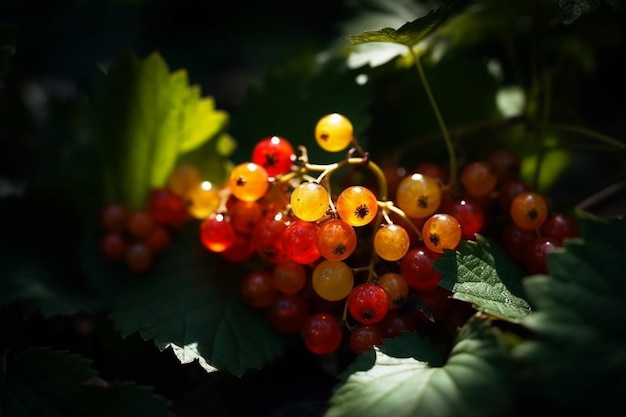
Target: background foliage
94,93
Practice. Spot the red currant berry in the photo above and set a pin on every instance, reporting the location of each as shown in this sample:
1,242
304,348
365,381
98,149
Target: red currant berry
560,226
113,246
167,207
139,257
289,312
365,337
535,257
275,154
417,268
322,334
258,290
216,232
300,241
368,303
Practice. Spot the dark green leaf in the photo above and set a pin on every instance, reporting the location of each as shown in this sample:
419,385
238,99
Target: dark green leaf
476,277
190,301
144,118
43,382
411,33
474,381
577,362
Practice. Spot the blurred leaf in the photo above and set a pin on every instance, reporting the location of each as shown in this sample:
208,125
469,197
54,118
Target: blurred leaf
577,360
191,300
411,33
473,382
144,118
43,382
474,276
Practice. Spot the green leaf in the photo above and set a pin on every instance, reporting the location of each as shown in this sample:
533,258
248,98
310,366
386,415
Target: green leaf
474,381
144,118
481,276
190,301
577,361
411,33
44,382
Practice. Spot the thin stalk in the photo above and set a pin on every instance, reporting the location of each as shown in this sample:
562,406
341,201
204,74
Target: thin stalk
587,132
442,125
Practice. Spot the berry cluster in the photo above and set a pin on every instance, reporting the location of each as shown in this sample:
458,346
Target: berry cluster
135,237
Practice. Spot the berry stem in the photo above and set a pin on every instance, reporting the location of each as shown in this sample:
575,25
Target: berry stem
442,125
589,133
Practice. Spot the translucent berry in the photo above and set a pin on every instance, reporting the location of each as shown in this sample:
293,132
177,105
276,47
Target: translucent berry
334,132
289,312
336,240
248,181
357,205
167,207
417,268
391,242
396,288
365,337
203,199
535,256
397,322
441,231
332,280
267,237
216,232
289,277
560,226
478,178
309,201
529,210
468,213
322,334
244,215
299,241
368,303
418,195
275,154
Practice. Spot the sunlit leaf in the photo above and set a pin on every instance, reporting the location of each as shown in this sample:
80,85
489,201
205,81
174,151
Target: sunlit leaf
486,280
44,382
473,381
577,361
191,300
411,33
144,118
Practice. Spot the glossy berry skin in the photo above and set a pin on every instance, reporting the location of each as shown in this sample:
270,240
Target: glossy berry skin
396,288
240,250
441,231
289,312
535,257
417,268
275,154
244,215
258,290
529,210
368,303
478,179
267,237
334,132
365,337
560,226
248,181
299,241
418,195
202,200
309,201
336,240
216,232
289,277
332,280
391,242
468,213
357,205
322,334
